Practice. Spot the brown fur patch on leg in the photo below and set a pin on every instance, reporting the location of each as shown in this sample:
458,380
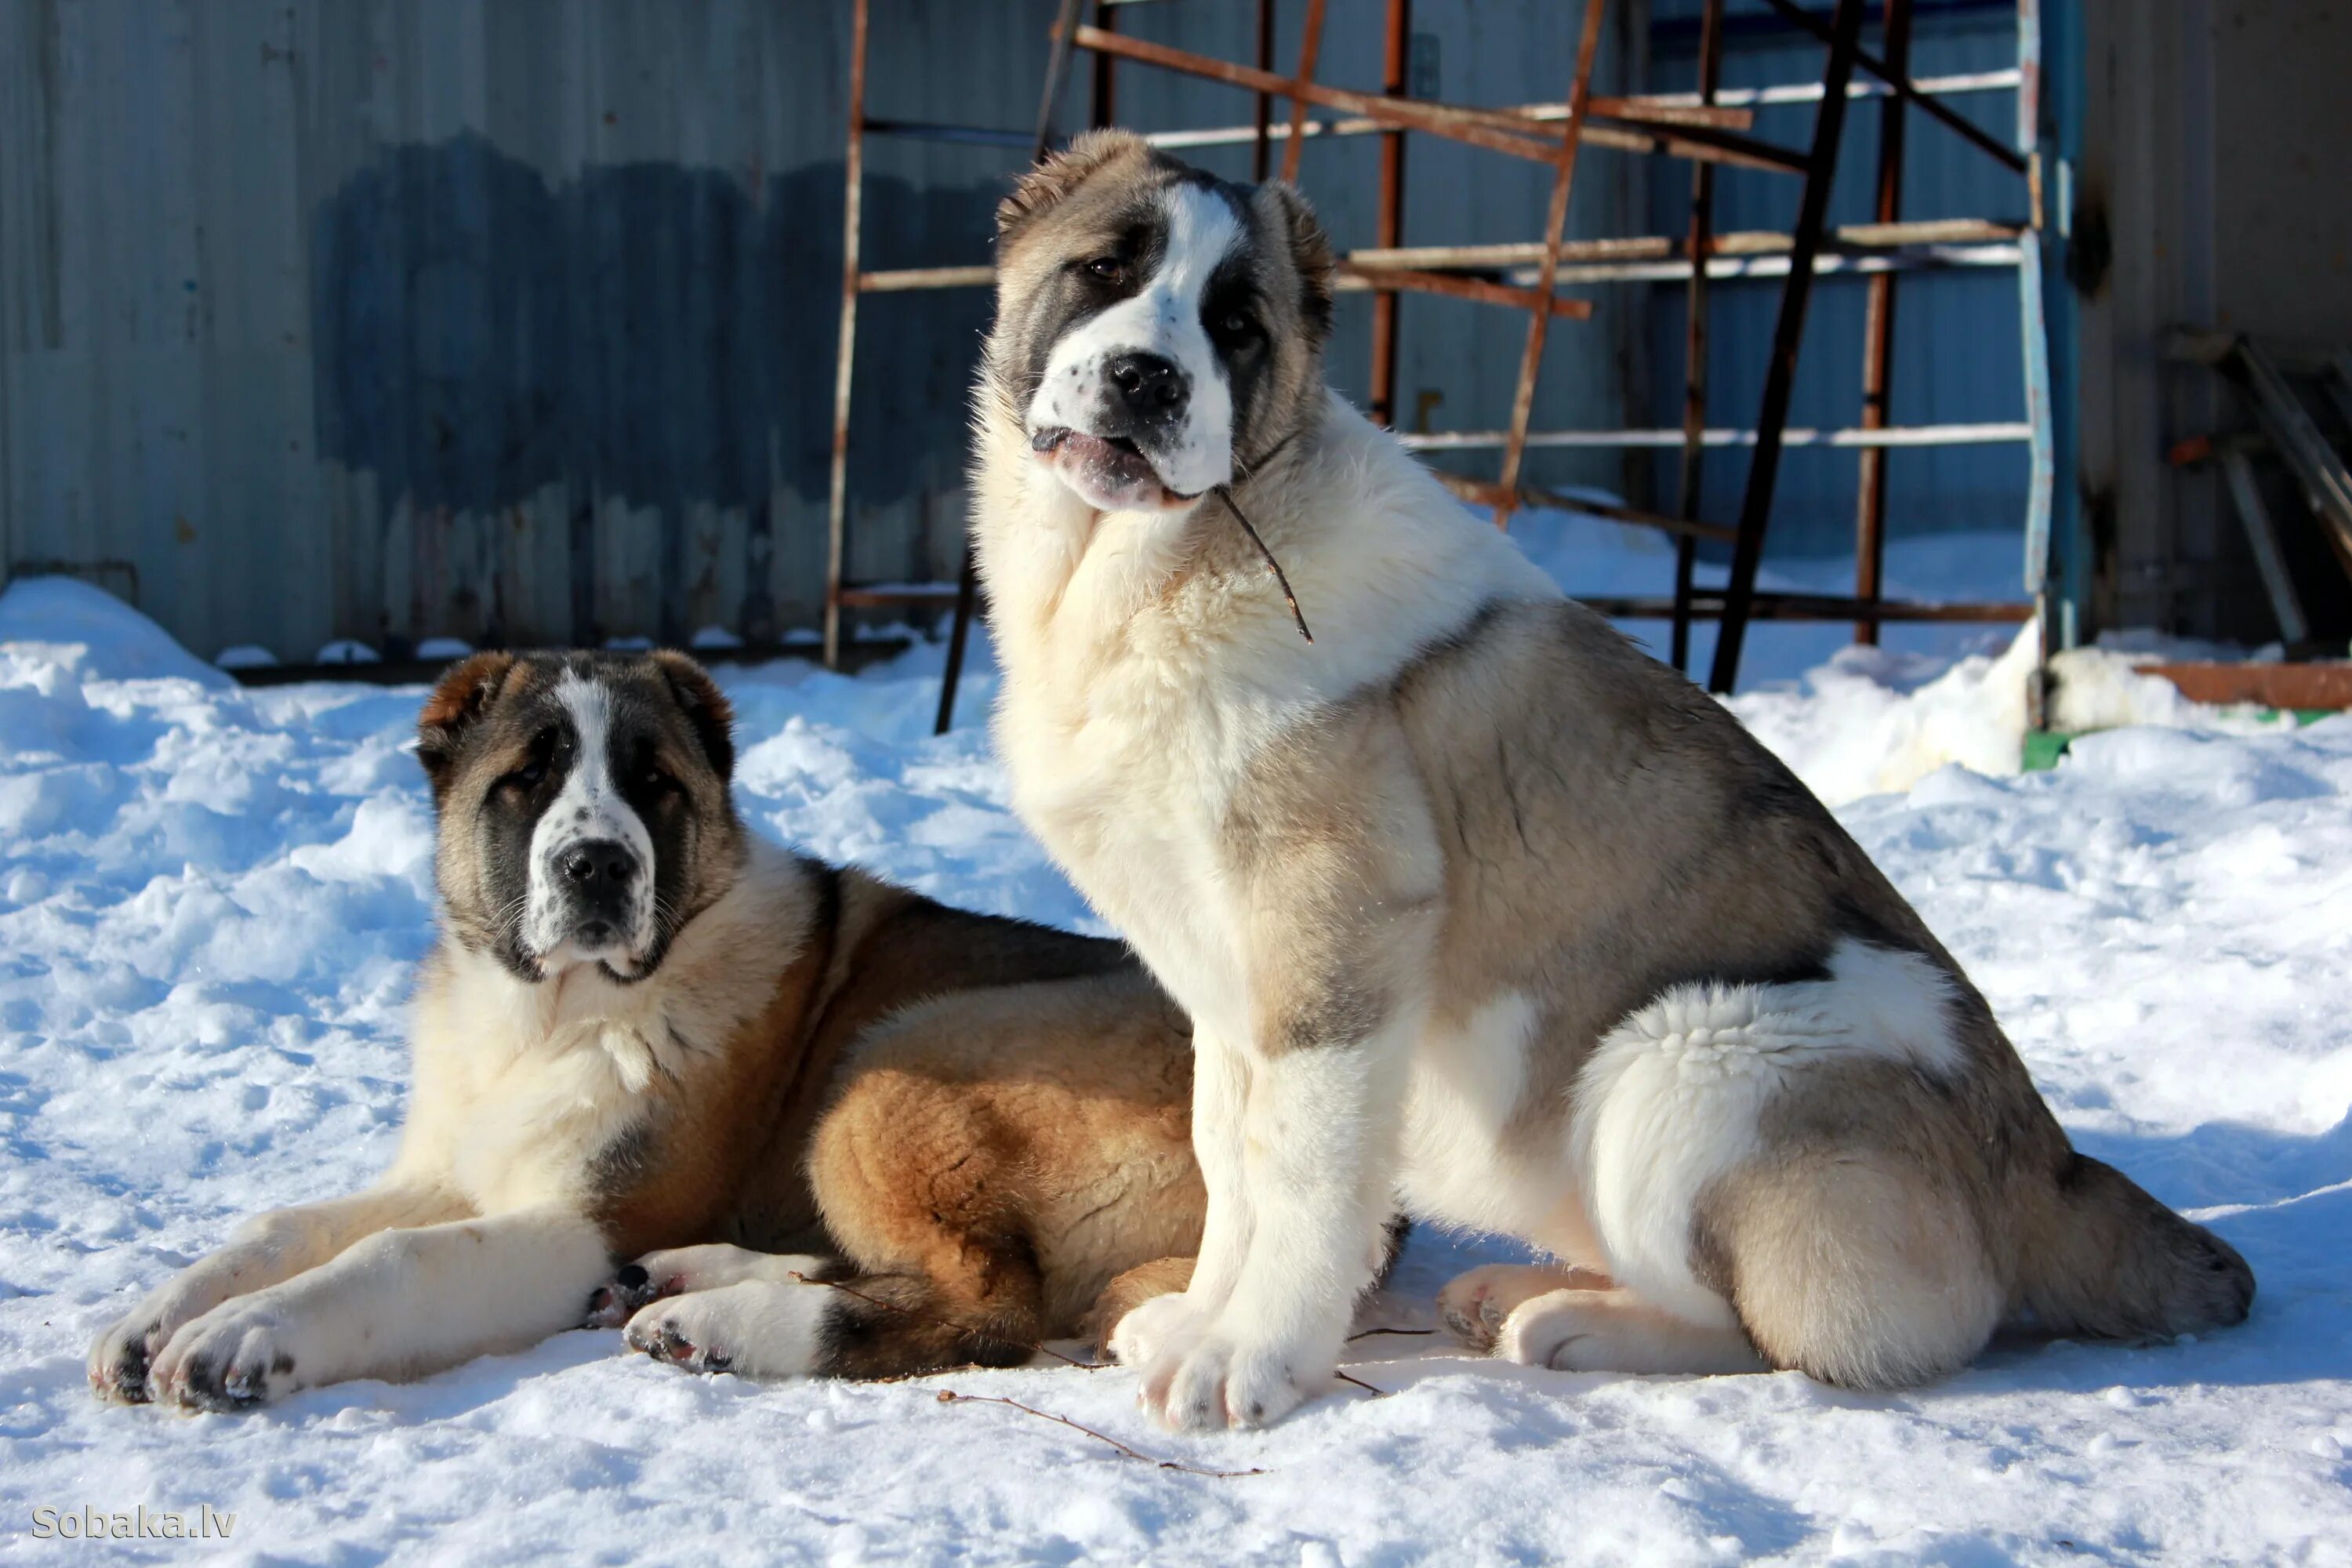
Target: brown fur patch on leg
1161,1277
920,1185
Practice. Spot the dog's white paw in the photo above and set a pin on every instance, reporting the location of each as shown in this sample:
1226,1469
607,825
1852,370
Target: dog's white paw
1162,1326
1220,1379
756,1328
237,1355
1476,1305
120,1356
681,1270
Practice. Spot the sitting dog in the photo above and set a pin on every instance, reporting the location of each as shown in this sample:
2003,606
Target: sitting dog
1475,909
646,1031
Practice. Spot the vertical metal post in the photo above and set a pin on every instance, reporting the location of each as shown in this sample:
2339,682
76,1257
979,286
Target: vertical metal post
1702,242
1262,150
1058,71
1878,335
1310,45
1788,333
1387,229
846,353
1105,87
1523,398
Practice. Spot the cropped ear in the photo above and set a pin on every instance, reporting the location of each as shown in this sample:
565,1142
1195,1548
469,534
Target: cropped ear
1310,252
464,695
706,708
1043,186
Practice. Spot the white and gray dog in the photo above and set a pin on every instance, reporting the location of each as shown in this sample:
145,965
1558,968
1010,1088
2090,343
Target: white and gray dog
1477,912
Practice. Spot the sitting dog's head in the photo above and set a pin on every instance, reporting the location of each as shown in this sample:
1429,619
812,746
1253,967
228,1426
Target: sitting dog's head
583,805
1157,330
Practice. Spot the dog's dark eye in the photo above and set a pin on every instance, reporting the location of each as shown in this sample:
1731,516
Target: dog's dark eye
654,779
1235,328
524,779
1110,269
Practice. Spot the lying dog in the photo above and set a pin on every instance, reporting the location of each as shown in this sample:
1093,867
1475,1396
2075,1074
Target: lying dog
645,1030
1474,908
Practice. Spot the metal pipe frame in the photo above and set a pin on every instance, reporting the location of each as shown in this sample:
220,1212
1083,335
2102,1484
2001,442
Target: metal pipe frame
1700,247
1498,130
1891,75
1523,397
1878,336
967,594
1655,106
1387,226
1780,372
1888,435
1310,46
1707,128
837,516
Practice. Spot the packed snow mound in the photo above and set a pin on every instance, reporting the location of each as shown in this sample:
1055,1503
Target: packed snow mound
116,642
211,901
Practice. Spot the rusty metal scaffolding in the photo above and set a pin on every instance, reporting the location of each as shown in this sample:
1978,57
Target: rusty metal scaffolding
1708,128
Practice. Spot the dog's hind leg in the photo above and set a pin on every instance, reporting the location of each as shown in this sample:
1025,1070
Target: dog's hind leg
1476,1305
1145,1283
1616,1331
920,1183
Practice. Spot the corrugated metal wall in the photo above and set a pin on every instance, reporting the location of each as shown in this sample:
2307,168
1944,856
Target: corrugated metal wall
1958,353
514,319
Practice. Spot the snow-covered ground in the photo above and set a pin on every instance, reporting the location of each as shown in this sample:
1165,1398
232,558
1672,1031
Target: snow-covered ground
210,898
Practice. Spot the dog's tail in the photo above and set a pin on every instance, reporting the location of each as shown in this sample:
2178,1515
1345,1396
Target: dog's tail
2111,1262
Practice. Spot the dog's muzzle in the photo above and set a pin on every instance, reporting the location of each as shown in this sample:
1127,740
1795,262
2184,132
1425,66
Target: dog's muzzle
598,886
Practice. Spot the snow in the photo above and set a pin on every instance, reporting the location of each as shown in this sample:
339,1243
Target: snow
210,898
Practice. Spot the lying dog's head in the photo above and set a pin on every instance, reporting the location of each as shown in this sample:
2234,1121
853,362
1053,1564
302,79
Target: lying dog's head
1157,330
583,805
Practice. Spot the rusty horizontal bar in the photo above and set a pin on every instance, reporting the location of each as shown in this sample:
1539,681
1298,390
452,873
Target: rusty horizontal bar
2306,686
1893,436
1459,288
908,279
871,595
1855,238
1707,605
1642,260
1529,139
1487,492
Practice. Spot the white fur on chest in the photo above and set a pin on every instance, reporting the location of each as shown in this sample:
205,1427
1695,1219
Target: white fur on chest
514,1102
1139,693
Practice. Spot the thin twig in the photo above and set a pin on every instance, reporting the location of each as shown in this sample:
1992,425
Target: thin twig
949,1396
1360,1383
954,1328
1367,1333
1224,493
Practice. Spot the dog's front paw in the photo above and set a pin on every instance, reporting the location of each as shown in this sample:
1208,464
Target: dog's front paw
1220,1381
1162,1328
118,1357
689,1331
632,1291
234,1357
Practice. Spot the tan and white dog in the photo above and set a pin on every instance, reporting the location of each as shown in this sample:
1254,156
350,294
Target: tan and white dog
1477,912
646,1032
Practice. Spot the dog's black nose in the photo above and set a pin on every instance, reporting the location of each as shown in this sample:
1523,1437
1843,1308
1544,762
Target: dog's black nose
1154,388
605,864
